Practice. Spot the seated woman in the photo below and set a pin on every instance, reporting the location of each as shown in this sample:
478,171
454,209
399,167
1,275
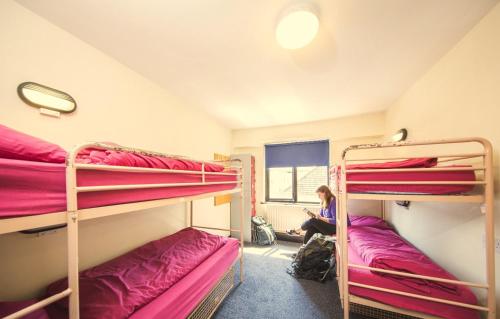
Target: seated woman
325,221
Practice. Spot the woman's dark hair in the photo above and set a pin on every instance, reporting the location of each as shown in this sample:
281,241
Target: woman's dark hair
328,195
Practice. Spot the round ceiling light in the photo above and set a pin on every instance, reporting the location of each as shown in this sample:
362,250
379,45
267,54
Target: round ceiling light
297,28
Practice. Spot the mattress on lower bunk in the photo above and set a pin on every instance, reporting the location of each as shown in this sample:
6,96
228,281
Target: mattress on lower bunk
414,176
166,278
32,188
402,256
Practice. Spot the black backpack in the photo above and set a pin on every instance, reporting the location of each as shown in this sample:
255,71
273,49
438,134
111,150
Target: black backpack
315,259
262,232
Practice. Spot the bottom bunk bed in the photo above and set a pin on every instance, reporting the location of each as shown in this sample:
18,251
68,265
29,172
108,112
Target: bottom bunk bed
373,243
187,274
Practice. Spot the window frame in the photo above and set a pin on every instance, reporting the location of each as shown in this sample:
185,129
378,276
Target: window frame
294,188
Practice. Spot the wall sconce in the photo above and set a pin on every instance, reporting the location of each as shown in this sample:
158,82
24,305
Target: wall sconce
50,101
400,135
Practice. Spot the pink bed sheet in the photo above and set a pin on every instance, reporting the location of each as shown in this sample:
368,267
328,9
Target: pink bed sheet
378,247
407,176
32,188
132,282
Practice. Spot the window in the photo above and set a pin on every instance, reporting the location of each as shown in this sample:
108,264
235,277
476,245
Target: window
281,187
309,178
295,170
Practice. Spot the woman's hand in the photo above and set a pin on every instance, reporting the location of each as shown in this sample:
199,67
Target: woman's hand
318,216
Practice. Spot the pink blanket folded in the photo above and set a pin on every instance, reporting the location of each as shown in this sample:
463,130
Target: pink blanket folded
409,163
118,158
384,249
119,287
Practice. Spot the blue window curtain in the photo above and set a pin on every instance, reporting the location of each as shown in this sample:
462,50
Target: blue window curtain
314,153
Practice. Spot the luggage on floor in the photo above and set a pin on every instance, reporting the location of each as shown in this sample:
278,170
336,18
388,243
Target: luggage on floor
315,259
262,232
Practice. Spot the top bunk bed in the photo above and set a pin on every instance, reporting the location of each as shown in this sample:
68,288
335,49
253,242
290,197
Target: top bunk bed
415,173
41,182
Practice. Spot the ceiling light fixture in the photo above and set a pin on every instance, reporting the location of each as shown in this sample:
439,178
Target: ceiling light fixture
297,27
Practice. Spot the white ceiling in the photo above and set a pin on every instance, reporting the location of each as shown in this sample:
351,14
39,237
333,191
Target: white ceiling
221,55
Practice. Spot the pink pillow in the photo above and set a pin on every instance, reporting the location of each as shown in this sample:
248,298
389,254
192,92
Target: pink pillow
20,146
372,221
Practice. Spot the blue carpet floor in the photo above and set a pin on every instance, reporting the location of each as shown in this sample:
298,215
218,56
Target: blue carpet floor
269,292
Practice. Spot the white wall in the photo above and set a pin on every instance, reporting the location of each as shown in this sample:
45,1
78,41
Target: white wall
114,104
458,97
367,125
342,132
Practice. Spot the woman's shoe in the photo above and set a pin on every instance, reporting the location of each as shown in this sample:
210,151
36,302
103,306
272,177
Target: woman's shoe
292,232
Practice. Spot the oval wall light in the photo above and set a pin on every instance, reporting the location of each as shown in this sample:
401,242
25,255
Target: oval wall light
45,97
400,135
297,27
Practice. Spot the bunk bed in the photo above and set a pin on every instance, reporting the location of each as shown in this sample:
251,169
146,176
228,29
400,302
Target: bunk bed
44,186
381,274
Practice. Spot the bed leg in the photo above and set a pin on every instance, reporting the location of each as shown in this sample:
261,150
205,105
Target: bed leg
346,309
72,233
242,227
189,213
344,259
490,229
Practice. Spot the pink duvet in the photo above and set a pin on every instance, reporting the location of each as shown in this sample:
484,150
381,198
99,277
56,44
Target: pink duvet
119,158
421,176
384,248
121,286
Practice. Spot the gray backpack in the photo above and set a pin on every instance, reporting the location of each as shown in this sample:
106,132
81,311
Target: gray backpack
262,232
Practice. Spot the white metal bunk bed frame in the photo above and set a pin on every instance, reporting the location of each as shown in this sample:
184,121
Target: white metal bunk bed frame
73,215
484,197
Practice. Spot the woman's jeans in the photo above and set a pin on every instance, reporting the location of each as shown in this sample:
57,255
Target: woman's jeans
315,225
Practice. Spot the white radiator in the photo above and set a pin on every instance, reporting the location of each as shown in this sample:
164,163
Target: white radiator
283,216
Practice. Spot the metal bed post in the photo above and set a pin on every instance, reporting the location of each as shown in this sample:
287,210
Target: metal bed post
343,231
337,245
72,233
382,204
489,227
189,213
242,218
